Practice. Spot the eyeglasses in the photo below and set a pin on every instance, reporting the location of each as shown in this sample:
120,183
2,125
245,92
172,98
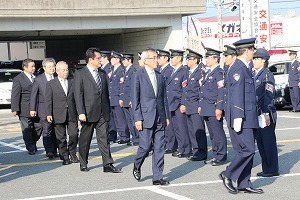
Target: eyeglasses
154,57
191,59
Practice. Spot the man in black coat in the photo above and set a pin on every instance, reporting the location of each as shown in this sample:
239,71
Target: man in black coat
93,108
20,96
61,111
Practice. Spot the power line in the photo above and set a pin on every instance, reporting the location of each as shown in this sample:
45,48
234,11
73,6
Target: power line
285,1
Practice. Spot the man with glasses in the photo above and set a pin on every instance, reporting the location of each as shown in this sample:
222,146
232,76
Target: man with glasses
174,87
241,117
211,106
196,127
294,81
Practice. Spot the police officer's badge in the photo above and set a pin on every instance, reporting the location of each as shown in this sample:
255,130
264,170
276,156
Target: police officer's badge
187,51
225,48
157,52
121,79
210,77
236,77
184,83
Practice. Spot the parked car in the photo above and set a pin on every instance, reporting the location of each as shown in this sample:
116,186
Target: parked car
6,77
280,71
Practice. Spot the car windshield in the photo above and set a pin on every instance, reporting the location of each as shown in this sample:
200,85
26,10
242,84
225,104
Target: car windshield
7,76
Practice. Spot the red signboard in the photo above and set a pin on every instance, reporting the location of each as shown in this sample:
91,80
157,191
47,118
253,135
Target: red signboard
276,28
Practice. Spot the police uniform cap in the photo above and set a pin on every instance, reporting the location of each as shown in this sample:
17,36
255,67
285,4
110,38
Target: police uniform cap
190,53
115,54
106,53
212,52
245,43
161,52
292,52
175,52
261,53
229,50
127,55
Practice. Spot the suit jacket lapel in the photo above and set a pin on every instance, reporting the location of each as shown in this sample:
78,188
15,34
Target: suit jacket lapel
57,82
148,79
90,77
26,79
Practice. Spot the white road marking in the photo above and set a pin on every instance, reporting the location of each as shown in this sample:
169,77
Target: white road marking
288,116
155,189
12,146
283,129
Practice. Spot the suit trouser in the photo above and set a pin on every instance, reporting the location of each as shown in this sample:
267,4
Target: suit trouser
49,138
121,124
295,97
85,139
180,128
240,167
149,139
170,139
66,148
129,120
218,137
267,147
112,130
196,128
31,132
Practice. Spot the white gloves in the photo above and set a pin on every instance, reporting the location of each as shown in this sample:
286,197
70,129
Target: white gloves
237,124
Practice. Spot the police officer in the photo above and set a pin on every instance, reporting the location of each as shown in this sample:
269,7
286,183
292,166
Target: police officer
196,127
164,67
229,54
107,67
126,97
174,87
117,78
212,106
140,60
265,135
241,117
294,81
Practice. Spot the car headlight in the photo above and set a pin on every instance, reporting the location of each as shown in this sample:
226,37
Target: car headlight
4,91
280,86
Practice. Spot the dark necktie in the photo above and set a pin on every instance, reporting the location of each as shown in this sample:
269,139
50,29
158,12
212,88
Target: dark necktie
98,80
190,73
32,78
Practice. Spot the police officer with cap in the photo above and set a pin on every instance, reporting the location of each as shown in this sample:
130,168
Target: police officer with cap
126,97
211,106
105,61
229,54
265,93
294,81
164,67
241,116
140,60
174,87
117,78
196,127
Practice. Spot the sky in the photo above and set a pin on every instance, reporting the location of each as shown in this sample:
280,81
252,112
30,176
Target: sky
280,7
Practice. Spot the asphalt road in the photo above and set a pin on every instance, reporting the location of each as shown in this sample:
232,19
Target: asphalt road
23,176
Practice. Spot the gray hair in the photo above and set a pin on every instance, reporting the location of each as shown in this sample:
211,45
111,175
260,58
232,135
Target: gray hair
46,60
59,64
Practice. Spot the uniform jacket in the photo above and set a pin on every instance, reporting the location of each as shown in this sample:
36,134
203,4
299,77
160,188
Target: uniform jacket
166,72
20,95
294,74
174,87
59,105
192,90
241,101
145,104
212,92
107,68
115,81
89,100
126,87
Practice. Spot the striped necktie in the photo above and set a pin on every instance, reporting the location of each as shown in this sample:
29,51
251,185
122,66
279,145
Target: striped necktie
98,80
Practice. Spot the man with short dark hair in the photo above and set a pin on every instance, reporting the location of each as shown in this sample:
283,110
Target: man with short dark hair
20,96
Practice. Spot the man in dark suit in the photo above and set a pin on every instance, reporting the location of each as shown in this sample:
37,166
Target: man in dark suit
93,108
37,106
241,117
20,96
150,116
61,111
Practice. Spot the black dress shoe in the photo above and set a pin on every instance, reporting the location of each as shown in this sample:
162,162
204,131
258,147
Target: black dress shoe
251,190
31,152
263,174
161,182
123,141
218,162
195,158
136,173
168,151
66,162
228,183
111,168
175,154
182,155
50,155
74,159
84,168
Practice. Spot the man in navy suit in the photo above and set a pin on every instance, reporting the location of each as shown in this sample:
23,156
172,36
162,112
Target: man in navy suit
196,126
61,111
241,117
20,101
126,97
212,106
150,117
294,81
37,106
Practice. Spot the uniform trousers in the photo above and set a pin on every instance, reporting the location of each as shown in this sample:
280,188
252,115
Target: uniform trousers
31,132
121,124
85,139
295,97
129,120
170,139
240,167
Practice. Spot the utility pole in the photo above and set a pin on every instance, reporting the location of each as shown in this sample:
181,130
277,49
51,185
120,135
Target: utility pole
220,32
